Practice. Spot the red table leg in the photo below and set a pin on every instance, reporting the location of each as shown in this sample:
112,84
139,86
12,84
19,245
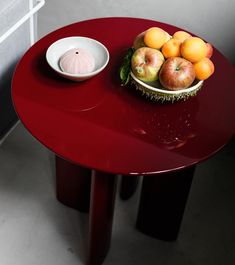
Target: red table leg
103,192
162,203
128,186
73,185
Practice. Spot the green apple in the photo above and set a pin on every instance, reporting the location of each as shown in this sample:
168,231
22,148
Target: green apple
146,63
139,41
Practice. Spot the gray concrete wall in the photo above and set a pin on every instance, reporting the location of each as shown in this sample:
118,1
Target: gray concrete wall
11,50
213,20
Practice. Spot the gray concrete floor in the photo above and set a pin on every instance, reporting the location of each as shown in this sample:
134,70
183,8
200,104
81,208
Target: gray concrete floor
35,229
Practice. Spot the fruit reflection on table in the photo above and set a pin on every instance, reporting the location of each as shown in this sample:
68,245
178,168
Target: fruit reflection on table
168,130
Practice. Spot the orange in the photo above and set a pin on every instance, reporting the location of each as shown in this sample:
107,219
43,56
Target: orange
155,37
204,69
193,49
171,48
181,35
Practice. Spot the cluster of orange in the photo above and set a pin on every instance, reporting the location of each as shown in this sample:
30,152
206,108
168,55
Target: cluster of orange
181,44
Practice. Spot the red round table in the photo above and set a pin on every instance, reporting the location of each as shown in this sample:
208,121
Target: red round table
101,126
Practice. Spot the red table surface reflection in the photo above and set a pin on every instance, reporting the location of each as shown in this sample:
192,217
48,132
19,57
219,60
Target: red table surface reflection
98,124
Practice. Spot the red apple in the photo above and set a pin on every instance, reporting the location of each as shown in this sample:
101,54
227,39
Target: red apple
146,63
209,51
139,41
177,73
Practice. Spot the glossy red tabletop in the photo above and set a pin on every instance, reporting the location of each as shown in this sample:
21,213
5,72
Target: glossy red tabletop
102,125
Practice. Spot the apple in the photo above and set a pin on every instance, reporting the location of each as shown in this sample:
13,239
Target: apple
209,50
139,41
146,63
176,73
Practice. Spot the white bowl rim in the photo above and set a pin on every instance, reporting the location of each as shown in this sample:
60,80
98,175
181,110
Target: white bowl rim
170,92
78,75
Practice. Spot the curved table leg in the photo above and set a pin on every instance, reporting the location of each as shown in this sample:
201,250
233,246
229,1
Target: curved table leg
73,185
103,192
128,186
162,203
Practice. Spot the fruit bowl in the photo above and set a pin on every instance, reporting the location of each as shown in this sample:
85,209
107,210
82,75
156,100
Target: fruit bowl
156,92
167,67
61,46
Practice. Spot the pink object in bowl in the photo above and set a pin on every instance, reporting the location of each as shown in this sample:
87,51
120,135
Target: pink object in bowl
77,61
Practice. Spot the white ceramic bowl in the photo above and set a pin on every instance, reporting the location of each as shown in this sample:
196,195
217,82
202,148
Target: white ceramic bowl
155,91
58,48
